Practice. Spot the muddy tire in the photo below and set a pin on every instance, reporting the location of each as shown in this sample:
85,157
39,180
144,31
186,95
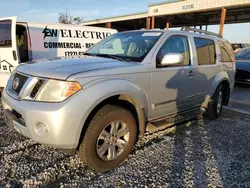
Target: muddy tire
216,105
109,139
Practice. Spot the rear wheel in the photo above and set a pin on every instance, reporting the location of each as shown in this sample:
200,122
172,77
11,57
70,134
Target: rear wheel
216,106
109,139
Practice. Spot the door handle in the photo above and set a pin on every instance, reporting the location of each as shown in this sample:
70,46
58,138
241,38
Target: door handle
14,55
191,73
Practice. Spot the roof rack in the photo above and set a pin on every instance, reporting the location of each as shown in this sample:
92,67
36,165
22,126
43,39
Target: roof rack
185,28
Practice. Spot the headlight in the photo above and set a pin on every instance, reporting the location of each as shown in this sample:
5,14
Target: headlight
57,91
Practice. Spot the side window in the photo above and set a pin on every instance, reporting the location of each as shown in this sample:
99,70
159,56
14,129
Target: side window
205,51
5,33
212,51
227,54
175,44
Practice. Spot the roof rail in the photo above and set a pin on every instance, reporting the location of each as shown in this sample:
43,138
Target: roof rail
185,28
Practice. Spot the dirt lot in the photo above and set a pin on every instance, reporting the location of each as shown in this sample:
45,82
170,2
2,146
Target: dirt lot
205,154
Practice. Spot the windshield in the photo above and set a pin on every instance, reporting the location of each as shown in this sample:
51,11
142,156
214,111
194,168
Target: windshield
130,46
243,54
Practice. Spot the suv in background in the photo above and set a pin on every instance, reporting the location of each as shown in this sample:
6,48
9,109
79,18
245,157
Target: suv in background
128,84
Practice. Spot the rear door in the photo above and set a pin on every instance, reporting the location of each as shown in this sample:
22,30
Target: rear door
8,48
208,66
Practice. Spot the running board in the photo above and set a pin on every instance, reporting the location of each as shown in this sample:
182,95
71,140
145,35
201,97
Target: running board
169,121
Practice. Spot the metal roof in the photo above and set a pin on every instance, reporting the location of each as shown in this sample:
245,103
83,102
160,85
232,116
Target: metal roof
180,13
116,18
173,7
181,7
165,2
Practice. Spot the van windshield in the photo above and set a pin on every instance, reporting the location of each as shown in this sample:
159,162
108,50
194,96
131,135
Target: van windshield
5,33
130,46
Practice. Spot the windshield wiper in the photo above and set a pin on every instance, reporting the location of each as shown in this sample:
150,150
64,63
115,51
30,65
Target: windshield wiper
107,56
89,54
112,57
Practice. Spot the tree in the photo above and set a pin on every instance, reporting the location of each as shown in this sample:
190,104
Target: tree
67,18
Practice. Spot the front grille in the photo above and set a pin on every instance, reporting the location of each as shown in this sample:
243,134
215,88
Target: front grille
18,82
36,89
17,114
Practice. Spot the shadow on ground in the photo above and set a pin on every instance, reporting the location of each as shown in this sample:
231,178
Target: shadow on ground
206,154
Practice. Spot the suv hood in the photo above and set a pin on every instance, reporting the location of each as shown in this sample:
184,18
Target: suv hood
62,69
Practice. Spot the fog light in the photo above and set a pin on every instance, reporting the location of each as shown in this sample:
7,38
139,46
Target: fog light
41,128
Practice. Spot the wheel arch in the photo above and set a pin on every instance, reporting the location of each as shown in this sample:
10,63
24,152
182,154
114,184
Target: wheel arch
127,95
221,78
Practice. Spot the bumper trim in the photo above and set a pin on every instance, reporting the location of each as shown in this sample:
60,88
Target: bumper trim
242,81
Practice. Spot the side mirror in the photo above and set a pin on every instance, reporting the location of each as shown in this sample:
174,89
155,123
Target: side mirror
172,59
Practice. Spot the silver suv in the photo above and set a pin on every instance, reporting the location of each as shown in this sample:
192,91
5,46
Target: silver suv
129,83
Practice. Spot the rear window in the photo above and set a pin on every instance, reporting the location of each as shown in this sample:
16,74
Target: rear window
205,51
5,33
227,54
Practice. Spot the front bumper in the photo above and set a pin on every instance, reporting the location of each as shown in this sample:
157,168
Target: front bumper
63,121
242,76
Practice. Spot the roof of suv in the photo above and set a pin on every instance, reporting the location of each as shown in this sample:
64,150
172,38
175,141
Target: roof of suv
182,32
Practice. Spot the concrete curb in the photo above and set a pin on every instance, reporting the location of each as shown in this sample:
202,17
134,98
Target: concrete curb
239,102
237,110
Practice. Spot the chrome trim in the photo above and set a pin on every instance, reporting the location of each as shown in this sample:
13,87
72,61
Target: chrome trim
28,87
45,82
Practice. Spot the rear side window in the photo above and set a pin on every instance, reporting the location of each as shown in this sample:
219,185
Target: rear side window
205,51
5,33
227,54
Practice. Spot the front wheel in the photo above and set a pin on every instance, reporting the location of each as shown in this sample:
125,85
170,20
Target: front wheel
216,106
109,139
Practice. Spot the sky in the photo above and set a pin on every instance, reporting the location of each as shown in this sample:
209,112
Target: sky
48,10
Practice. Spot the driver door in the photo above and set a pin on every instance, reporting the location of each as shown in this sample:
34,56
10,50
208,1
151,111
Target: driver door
173,90
8,48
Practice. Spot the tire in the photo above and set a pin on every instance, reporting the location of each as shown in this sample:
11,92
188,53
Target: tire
216,106
89,149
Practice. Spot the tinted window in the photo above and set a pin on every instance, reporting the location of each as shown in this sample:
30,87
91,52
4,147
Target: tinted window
227,54
205,51
212,54
175,44
5,33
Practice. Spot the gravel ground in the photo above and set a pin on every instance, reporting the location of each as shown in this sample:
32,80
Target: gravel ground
203,154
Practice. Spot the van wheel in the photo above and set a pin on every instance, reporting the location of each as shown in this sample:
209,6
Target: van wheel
109,139
215,107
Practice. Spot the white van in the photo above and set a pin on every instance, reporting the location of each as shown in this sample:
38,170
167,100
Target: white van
24,41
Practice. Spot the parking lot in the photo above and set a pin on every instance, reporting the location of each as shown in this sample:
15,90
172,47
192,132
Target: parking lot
203,154
240,98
